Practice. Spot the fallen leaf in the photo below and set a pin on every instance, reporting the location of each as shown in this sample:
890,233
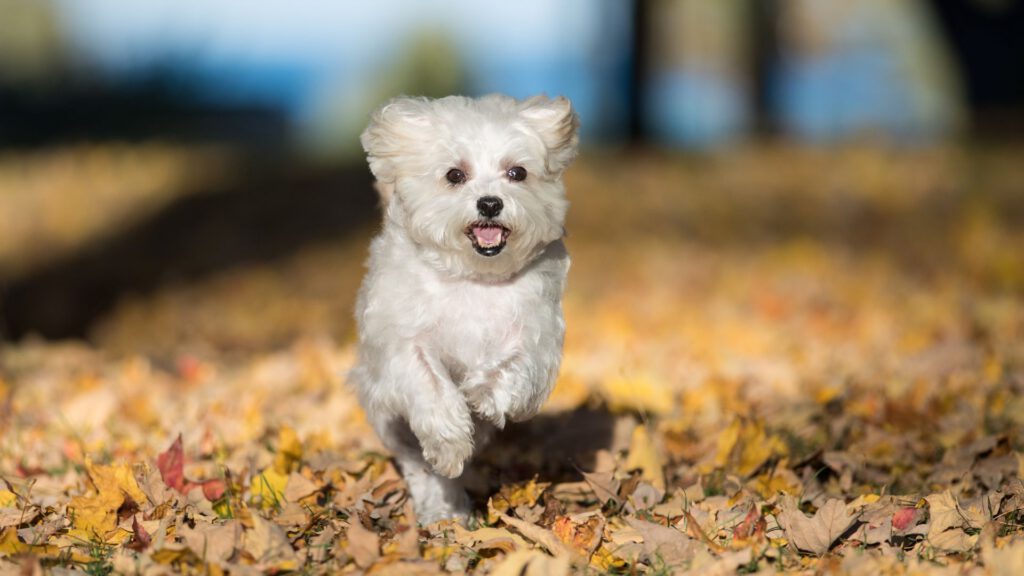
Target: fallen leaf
905,518
7,498
640,394
95,516
581,532
490,538
539,535
269,486
171,464
140,538
644,455
298,487
510,497
1005,561
747,446
953,540
289,451
942,509
16,517
605,487
11,546
672,546
269,545
361,544
214,489
217,542
816,534
531,563
753,525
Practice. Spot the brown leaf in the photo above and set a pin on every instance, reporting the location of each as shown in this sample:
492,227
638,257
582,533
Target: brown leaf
489,538
953,540
361,544
215,542
537,534
531,563
269,545
817,534
671,545
605,486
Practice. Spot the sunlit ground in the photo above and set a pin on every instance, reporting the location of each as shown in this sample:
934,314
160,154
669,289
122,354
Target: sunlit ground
752,336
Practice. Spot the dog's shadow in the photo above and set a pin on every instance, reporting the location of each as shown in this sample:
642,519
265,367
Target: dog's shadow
551,447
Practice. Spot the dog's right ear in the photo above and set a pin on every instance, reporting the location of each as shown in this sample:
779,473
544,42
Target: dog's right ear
395,129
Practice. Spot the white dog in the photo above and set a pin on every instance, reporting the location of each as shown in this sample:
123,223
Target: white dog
460,313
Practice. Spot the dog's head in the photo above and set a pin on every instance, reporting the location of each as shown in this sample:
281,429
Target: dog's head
475,183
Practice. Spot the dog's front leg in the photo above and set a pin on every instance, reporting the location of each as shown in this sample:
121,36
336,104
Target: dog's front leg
512,389
438,415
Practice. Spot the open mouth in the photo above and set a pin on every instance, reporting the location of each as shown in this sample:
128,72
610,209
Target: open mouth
488,238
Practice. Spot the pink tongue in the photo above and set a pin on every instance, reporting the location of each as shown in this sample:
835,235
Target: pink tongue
487,236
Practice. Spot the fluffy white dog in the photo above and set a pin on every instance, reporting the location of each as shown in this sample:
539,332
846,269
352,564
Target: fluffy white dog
460,313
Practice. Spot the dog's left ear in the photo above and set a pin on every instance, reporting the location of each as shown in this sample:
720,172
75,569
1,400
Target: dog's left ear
557,124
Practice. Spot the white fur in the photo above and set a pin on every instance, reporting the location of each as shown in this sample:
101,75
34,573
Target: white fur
452,343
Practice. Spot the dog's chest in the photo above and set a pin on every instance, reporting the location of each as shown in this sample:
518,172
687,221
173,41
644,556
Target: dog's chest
476,324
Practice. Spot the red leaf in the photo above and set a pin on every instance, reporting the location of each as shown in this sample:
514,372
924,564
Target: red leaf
903,518
753,524
172,466
214,489
140,538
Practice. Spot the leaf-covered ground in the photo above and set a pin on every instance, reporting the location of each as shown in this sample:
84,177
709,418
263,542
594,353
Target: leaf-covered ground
776,360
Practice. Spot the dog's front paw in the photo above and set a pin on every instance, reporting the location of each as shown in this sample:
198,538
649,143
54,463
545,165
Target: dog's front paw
448,458
488,402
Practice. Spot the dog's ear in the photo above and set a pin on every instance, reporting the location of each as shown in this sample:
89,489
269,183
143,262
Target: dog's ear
557,124
395,129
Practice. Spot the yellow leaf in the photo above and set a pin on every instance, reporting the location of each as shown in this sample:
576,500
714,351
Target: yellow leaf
781,480
11,546
117,478
640,394
7,498
643,454
289,451
270,486
168,555
439,552
746,446
509,497
570,393
603,559
95,516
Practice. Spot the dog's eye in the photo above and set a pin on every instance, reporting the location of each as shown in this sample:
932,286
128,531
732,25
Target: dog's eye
456,176
516,173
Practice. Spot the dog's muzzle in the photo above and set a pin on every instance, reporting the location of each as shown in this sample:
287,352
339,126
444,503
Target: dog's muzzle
488,237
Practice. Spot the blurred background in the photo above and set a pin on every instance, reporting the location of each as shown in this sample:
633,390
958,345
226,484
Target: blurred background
186,173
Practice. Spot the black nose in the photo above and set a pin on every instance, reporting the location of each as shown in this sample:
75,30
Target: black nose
489,206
